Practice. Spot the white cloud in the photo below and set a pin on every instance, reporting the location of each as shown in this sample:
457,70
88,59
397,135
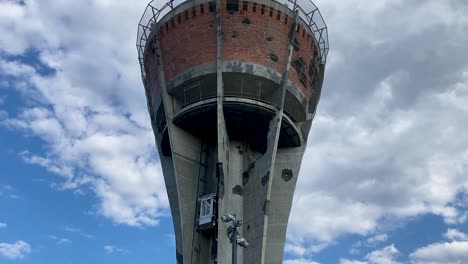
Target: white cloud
386,255
300,261
455,252
455,235
109,249
370,242
60,240
376,164
379,160
72,229
347,261
301,250
377,239
17,250
3,225
91,110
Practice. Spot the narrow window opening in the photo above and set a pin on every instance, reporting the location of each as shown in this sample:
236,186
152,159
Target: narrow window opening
271,11
303,32
179,19
202,8
273,57
245,5
278,16
186,15
286,19
232,5
263,9
172,22
254,8
212,6
167,26
194,11
296,45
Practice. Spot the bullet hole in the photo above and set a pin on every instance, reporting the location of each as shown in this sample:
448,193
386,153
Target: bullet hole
234,34
238,190
269,38
286,174
246,21
273,57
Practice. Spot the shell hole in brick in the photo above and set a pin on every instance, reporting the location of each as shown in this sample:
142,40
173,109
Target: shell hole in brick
234,34
273,57
246,21
269,38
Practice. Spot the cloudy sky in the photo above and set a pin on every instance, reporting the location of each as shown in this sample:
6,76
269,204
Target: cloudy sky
384,179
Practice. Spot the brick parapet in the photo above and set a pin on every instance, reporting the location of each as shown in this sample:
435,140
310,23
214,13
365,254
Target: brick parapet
188,39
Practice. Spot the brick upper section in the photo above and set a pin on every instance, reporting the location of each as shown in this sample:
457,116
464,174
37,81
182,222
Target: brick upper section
256,34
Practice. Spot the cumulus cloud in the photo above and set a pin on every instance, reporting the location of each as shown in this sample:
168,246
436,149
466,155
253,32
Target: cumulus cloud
86,102
386,143
17,250
455,235
453,252
386,255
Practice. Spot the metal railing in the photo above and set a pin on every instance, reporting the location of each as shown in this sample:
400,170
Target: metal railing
308,11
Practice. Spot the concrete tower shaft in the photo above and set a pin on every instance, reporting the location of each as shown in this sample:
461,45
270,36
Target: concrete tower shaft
232,88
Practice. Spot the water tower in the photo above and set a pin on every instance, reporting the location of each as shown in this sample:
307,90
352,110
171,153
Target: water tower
232,88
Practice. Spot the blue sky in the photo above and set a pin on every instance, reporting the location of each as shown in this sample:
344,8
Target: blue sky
384,179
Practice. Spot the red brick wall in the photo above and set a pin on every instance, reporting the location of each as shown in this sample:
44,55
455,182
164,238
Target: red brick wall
190,41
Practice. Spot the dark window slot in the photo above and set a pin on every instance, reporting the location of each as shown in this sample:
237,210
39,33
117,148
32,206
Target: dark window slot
254,7
271,11
278,16
263,9
245,5
212,6
194,11
186,15
202,8
232,5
